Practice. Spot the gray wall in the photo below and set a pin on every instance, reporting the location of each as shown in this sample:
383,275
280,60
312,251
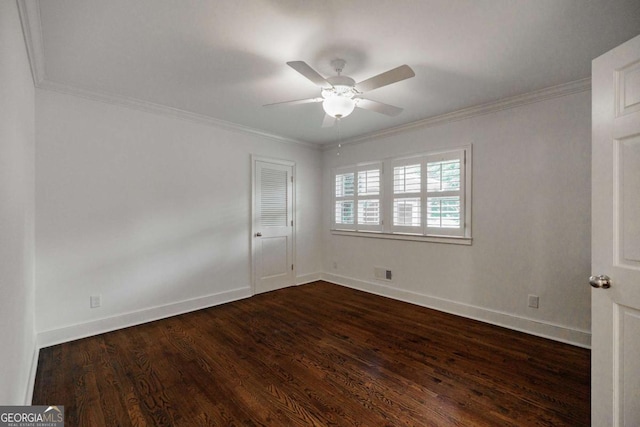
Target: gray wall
531,222
150,211
17,336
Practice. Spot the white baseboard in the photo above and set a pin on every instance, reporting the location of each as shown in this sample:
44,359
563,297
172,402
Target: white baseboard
555,332
107,324
308,278
536,327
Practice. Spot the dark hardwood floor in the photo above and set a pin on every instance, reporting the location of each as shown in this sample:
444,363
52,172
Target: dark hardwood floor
316,355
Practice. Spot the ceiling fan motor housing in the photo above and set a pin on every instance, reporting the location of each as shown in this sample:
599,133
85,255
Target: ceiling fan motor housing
342,86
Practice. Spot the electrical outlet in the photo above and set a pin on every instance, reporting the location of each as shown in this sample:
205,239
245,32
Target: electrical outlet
382,273
95,301
534,301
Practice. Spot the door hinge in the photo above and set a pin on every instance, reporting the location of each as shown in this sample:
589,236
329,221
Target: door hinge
292,223
291,178
291,267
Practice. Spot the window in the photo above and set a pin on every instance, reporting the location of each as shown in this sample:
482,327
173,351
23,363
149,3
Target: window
357,198
407,197
345,192
427,195
445,202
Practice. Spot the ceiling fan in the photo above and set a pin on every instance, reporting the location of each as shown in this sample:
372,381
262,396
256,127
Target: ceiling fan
340,95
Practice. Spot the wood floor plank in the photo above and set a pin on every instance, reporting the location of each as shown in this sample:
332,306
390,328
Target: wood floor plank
316,355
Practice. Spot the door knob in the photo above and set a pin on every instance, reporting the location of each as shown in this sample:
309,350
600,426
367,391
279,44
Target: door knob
258,234
600,281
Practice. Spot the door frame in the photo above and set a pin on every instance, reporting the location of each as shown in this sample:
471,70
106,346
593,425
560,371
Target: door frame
253,220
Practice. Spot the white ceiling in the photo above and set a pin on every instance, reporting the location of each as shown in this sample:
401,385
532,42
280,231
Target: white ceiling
224,59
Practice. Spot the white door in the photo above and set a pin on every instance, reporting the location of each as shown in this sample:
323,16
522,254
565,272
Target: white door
615,318
272,240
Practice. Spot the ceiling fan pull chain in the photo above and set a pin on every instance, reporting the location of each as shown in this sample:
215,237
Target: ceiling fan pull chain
339,137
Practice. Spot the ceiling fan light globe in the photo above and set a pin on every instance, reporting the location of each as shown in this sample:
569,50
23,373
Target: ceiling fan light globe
338,106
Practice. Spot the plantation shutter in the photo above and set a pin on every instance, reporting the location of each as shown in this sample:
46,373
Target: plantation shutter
368,196
407,213
344,196
445,204
357,198
423,195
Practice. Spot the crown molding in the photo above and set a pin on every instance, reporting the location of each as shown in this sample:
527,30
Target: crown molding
161,109
564,89
32,29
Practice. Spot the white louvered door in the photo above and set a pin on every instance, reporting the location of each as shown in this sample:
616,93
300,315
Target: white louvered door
273,224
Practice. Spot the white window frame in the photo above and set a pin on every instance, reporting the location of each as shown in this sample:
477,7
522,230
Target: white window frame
443,157
387,229
357,197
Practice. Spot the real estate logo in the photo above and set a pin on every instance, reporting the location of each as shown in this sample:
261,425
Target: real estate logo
32,416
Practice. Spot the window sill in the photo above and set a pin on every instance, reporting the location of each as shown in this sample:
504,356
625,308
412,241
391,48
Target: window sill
400,236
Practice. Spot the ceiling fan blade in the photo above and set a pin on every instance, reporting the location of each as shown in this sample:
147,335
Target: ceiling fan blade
304,69
328,121
392,76
295,102
379,107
